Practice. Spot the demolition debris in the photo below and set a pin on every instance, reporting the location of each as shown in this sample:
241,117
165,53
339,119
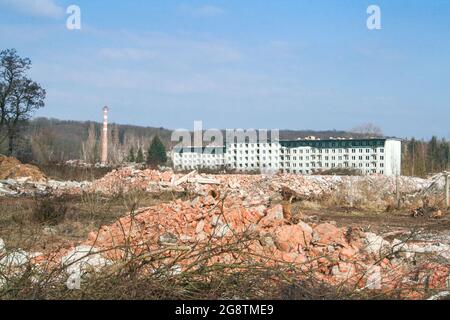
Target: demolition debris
251,215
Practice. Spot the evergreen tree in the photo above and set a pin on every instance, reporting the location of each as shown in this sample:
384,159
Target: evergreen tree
140,156
421,162
131,155
447,155
433,154
420,158
444,150
156,154
413,147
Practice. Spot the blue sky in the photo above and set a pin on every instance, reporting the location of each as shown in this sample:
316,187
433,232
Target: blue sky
240,64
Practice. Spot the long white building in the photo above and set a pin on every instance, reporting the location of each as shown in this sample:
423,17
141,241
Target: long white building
308,156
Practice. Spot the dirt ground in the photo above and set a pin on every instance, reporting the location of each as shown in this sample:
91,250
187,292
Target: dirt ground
79,215
70,218
162,222
388,224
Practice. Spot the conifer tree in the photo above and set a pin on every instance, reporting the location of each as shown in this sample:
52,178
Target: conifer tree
131,155
156,154
140,156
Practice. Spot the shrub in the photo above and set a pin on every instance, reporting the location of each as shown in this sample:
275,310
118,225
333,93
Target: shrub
49,210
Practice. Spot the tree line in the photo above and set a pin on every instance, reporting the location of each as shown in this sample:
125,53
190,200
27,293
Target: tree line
156,154
421,158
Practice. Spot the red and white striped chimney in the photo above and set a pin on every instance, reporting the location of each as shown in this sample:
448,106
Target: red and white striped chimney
105,136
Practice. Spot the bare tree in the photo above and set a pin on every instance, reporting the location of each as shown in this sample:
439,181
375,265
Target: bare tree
368,130
116,154
88,147
43,145
19,95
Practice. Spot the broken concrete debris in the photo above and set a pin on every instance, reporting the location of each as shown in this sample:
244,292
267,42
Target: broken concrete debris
376,245
79,261
25,187
252,189
332,254
245,211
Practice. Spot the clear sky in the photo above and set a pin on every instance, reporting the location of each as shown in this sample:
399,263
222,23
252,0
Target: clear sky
286,64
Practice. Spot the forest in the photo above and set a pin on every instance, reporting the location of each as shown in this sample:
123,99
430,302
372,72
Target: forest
49,141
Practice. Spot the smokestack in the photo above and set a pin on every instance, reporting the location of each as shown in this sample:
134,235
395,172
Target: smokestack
105,136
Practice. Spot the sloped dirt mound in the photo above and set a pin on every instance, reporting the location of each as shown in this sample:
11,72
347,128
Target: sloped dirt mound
11,168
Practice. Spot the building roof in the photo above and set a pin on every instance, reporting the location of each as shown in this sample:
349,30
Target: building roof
313,143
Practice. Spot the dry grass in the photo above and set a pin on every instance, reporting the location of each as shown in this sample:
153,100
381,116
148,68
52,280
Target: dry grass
71,173
35,225
150,276
47,224
57,220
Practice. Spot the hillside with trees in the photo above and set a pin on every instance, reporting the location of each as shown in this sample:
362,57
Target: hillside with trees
50,141
46,141
54,141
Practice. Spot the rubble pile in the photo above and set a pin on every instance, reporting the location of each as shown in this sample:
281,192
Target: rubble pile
435,186
84,164
238,212
238,220
360,188
126,179
11,168
24,187
183,235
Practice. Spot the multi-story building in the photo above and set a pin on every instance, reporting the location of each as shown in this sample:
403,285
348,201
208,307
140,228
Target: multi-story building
307,156
190,158
264,156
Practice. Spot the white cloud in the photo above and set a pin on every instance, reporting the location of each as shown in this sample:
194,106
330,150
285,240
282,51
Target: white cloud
127,54
173,49
38,8
202,11
208,11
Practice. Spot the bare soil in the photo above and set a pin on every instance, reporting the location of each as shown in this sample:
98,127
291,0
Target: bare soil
86,213
79,215
389,224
